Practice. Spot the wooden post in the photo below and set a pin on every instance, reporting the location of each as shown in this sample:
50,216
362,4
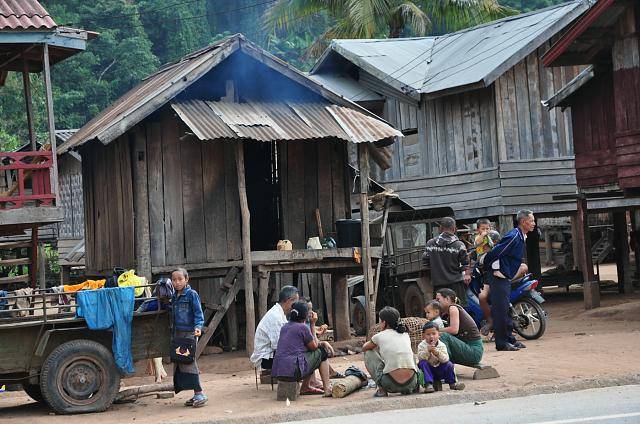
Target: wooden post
505,224
231,326
621,240
533,252
548,247
385,219
367,271
263,291
635,226
51,121
342,324
575,243
33,265
250,313
326,285
584,261
42,267
26,82
142,237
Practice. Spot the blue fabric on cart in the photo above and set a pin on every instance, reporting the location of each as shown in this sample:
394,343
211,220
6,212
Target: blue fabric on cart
111,308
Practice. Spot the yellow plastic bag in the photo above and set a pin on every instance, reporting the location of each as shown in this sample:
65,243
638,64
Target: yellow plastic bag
129,278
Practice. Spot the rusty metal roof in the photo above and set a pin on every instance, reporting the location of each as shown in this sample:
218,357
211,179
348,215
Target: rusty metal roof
273,121
24,14
171,80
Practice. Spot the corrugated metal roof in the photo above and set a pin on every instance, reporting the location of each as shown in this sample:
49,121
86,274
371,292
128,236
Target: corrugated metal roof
24,14
346,86
475,56
171,80
64,135
272,121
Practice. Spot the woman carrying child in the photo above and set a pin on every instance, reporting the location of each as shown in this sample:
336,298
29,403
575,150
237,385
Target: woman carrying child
462,336
299,353
389,358
187,322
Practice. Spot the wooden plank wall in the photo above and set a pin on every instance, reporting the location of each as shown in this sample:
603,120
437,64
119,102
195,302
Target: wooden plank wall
108,206
594,126
525,129
470,194
70,183
531,184
312,175
458,133
408,154
194,214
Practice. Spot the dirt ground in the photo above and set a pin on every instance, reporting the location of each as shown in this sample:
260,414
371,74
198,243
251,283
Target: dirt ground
578,345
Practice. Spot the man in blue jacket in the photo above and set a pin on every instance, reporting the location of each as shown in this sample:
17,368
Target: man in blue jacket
509,252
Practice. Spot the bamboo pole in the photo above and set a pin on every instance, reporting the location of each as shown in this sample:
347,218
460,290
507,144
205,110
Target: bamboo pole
51,121
246,248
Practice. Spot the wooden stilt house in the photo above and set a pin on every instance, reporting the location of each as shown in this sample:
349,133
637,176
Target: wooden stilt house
30,42
605,104
209,162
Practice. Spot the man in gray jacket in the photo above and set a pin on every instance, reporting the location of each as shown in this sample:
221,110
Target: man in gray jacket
447,258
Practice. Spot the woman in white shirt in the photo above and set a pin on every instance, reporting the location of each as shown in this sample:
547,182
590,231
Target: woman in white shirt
389,358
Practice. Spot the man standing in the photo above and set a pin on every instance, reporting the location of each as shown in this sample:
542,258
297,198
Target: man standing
448,260
268,331
509,252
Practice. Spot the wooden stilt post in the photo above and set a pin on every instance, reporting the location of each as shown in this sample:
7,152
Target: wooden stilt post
342,325
263,292
246,249
591,288
141,205
635,226
231,326
505,224
621,240
33,266
42,267
367,271
26,82
385,219
51,121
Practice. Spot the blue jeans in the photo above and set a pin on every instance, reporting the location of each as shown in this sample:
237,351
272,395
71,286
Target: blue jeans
502,323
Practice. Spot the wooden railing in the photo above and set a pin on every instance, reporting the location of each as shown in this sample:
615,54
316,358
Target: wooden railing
20,168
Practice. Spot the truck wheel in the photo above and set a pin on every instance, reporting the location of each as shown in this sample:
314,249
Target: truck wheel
34,392
79,376
413,302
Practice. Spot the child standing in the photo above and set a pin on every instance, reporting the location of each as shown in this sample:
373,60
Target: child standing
434,361
187,322
433,311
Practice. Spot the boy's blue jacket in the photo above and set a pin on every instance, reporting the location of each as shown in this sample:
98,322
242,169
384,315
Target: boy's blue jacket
509,251
187,310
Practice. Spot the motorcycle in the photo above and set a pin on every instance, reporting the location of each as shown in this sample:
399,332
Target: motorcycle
525,308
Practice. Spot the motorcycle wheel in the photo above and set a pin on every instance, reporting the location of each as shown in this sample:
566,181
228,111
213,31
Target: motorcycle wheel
529,319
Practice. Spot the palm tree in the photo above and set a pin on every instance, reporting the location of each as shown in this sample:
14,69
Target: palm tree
382,18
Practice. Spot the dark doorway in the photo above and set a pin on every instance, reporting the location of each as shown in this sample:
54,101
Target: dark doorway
262,194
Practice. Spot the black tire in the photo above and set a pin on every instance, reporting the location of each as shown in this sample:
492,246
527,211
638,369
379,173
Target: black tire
359,319
34,392
414,302
79,376
529,319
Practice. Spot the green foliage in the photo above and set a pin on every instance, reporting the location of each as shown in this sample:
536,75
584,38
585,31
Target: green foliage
530,5
52,259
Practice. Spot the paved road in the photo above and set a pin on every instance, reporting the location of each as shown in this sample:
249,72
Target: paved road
601,406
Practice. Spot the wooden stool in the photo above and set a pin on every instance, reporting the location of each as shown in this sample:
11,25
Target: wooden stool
288,390
484,372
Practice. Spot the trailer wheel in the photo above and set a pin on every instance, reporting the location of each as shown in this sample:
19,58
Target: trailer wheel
79,376
413,302
34,392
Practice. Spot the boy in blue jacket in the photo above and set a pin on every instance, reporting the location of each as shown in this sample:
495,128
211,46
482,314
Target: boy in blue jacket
509,252
188,320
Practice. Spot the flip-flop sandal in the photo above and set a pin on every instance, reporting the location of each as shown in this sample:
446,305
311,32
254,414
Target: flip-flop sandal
312,391
377,394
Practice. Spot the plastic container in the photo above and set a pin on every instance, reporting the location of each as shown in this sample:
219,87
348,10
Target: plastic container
349,233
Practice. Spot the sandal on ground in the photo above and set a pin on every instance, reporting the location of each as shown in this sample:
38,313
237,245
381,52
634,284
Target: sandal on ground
189,402
312,391
199,400
380,394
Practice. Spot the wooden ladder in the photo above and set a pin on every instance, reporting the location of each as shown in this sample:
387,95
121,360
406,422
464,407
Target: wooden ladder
231,285
16,245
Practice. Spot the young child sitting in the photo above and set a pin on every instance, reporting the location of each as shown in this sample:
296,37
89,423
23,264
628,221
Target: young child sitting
433,311
434,361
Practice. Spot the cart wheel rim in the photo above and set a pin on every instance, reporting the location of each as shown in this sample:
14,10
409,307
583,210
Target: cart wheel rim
80,379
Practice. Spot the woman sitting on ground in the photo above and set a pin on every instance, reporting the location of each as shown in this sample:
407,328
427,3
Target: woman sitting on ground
462,336
389,358
299,353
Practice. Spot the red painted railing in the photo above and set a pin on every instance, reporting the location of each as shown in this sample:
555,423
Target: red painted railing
23,168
